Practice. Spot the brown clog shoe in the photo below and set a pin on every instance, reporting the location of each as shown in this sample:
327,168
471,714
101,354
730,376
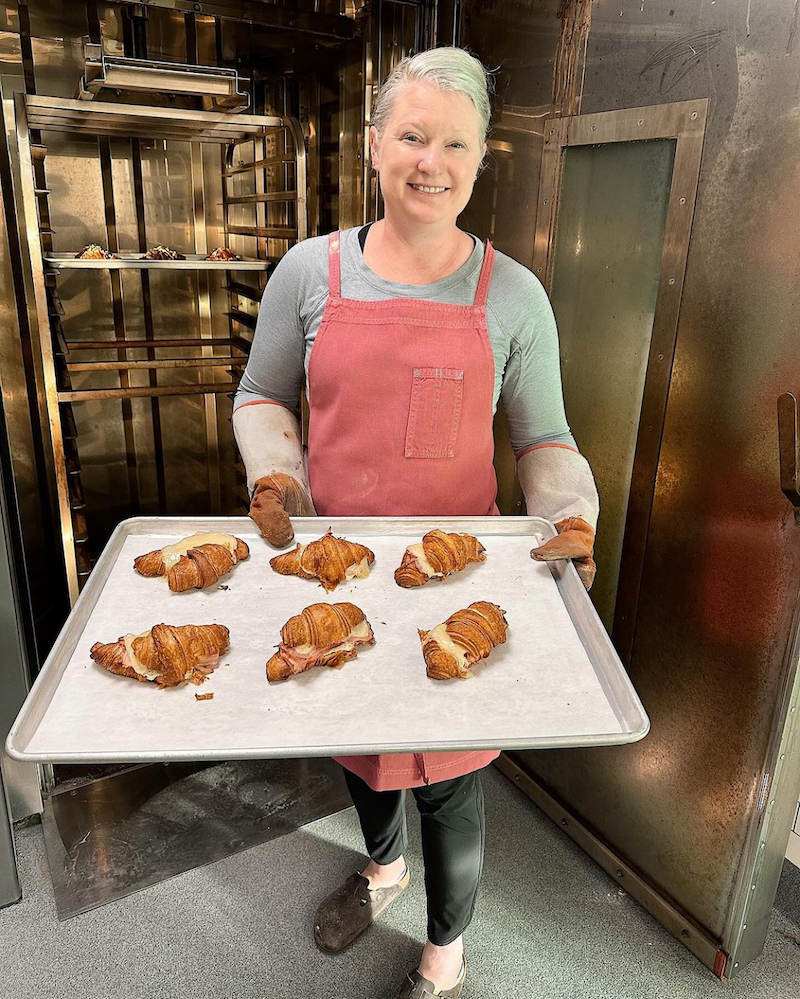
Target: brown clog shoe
345,914
417,987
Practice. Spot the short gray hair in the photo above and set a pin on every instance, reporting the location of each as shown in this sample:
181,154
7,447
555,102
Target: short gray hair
451,69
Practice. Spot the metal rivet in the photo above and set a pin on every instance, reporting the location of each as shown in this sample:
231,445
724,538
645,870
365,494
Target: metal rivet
736,964
782,756
772,803
672,280
744,926
683,201
546,202
661,357
594,128
693,115
620,873
752,887
539,269
551,131
640,121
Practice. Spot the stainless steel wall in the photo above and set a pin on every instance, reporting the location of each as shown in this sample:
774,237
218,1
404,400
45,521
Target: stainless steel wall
722,571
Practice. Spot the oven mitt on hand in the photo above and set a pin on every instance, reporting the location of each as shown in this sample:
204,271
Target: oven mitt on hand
575,540
276,498
268,437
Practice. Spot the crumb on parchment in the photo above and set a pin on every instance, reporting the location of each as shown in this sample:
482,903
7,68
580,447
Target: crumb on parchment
203,697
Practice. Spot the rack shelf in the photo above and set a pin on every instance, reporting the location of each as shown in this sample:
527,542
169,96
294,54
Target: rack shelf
265,210
127,261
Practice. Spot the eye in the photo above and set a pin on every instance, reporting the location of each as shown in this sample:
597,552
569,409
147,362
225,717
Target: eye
458,145
410,137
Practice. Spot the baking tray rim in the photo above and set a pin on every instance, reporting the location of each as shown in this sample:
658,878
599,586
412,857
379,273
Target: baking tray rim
619,690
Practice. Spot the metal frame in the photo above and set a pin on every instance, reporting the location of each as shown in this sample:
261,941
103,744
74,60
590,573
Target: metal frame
684,121
131,122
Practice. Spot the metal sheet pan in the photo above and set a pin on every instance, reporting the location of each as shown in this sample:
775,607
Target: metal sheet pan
556,682
125,261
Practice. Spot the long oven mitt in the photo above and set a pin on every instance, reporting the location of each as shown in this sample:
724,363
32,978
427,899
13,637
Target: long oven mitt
268,438
558,484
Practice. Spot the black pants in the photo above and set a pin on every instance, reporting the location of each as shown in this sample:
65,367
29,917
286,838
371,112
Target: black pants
453,835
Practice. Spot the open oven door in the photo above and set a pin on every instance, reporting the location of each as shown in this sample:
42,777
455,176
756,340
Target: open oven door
694,583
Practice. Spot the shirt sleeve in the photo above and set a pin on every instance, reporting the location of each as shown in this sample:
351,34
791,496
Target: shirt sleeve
274,370
531,389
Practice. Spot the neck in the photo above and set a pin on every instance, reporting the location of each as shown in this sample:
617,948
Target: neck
415,254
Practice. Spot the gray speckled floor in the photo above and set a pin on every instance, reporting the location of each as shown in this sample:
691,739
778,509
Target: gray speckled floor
549,924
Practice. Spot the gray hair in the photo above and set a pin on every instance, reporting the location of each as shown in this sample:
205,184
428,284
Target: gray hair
451,69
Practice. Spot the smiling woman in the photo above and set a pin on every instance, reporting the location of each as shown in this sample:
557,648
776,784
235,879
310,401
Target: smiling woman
405,333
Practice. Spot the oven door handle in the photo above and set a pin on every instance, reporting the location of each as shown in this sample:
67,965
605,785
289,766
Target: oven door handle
787,445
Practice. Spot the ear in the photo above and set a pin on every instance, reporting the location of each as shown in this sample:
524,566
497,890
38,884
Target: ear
373,147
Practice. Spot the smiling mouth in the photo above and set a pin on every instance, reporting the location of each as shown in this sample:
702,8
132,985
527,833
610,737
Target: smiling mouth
428,190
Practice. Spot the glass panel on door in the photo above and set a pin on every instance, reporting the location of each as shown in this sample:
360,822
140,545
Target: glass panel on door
603,289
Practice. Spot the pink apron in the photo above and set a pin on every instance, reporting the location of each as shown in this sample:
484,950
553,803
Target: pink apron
402,396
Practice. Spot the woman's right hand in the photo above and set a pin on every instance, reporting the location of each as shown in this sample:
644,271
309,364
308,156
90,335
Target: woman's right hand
276,498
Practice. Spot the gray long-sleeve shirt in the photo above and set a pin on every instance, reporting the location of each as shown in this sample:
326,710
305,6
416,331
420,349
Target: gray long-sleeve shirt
520,321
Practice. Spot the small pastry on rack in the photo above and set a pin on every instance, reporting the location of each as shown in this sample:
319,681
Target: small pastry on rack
329,559
195,562
93,251
222,253
465,637
166,654
320,635
163,253
436,556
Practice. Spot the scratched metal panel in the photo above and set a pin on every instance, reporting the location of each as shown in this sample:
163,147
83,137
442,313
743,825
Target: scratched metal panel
723,558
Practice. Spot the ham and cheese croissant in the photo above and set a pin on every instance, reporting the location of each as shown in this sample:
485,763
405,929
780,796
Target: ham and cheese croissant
166,654
438,555
330,560
465,637
321,635
195,562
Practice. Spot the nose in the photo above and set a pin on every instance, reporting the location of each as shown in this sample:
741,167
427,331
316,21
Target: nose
431,159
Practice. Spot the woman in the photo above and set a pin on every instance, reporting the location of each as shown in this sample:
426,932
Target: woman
406,333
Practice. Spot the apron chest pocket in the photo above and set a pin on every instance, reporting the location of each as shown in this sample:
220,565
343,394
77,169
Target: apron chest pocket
434,413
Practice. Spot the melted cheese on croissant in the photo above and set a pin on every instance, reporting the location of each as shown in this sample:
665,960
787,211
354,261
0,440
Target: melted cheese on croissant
446,644
358,571
132,659
418,551
172,553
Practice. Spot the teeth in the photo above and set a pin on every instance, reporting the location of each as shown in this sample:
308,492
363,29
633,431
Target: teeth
428,190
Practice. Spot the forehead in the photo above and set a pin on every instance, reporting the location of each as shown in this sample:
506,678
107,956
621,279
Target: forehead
422,102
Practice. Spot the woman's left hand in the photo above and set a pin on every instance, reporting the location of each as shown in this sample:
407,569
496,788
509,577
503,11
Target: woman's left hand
575,540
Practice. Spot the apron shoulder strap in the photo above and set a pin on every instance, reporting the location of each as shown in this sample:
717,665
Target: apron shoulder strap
485,278
334,266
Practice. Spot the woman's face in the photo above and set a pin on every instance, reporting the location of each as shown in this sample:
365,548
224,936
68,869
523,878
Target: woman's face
428,155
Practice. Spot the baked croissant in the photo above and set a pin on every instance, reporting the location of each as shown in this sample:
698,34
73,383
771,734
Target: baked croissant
222,253
165,654
195,562
438,555
321,635
330,560
161,252
465,637
92,251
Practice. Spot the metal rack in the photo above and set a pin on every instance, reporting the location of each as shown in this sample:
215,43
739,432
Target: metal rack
262,173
